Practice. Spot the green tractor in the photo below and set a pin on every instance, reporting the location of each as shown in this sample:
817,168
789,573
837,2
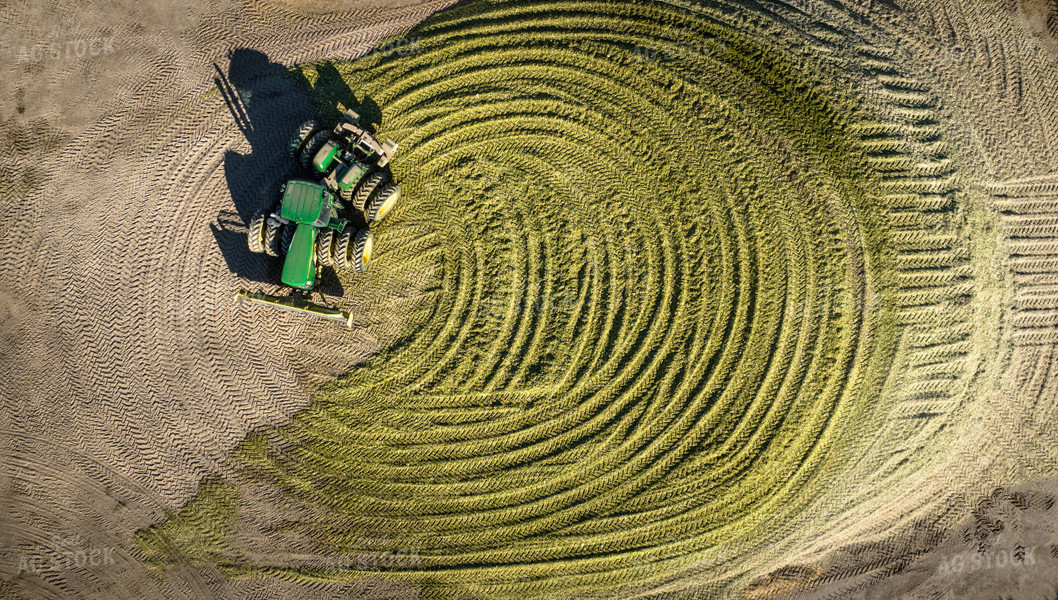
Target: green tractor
311,226
351,161
307,231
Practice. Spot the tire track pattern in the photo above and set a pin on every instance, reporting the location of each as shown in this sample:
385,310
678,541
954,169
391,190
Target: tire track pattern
673,284
1028,212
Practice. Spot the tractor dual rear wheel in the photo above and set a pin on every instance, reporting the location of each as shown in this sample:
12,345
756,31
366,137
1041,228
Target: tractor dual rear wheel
367,188
354,249
315,143
297,142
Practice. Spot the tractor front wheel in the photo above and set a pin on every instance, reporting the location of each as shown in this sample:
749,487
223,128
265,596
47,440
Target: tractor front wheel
303,133
345,196
368,187
255,237
383,203
288,236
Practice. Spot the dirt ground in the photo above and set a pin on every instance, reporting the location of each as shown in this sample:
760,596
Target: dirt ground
129,375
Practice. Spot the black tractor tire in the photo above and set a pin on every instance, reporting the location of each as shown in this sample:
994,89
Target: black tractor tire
271,239
308,152
255,236
345,196
363,248
353,249
342,243
324,247
367,188
288,236
383,203
297,141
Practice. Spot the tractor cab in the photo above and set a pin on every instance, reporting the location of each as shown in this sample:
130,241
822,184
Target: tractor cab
310,203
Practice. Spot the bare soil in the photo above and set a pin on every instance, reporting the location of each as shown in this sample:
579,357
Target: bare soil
126,180
125,183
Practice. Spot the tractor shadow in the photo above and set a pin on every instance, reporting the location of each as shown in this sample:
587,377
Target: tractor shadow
268,102
331,90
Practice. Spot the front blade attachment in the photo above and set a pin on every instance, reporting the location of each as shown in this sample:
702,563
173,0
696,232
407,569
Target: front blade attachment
296,304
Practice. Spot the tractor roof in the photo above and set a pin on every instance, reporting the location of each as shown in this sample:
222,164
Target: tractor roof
304,201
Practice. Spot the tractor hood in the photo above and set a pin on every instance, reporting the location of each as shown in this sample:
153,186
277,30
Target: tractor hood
299,266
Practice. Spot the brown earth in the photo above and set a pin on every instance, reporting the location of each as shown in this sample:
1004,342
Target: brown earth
125,185
129,376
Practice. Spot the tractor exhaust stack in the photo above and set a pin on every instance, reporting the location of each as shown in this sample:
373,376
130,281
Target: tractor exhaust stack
296,304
